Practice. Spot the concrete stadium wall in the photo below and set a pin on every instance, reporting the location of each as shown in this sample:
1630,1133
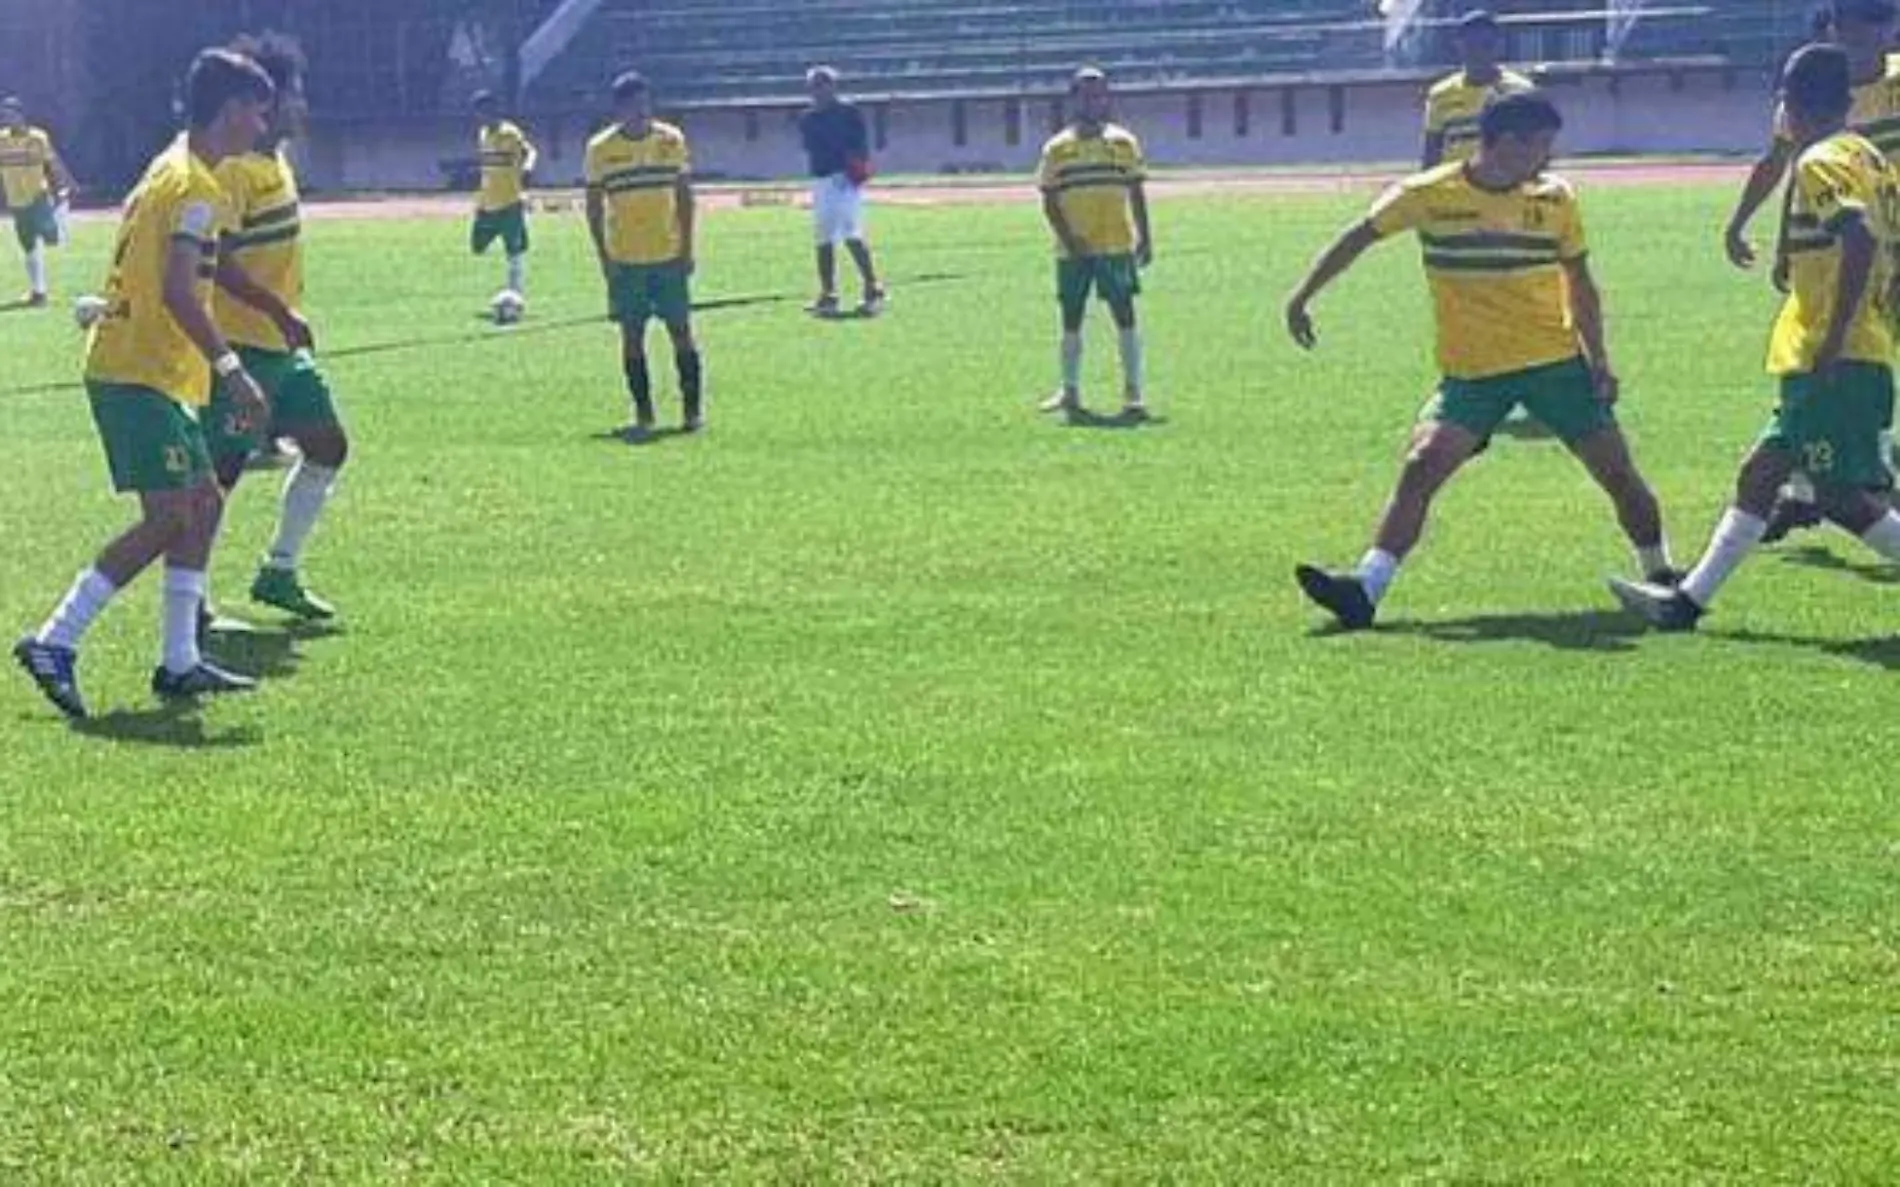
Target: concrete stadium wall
1700,111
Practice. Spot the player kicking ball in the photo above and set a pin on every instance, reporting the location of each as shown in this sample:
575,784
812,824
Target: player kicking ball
151,359
640,214
1520,322
1094,199
1831,347
260,286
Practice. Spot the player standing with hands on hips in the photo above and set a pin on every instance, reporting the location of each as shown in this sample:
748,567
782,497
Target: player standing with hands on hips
840,154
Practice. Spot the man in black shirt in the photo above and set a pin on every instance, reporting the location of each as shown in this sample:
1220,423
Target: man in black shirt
840,154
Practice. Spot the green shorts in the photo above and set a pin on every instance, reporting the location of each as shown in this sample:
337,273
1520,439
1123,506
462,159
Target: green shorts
1115,279
299,398
1837,430
36,223
637,292
1561,396
153,443
509,225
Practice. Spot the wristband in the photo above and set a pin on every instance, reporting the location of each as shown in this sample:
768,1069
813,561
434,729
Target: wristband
226,365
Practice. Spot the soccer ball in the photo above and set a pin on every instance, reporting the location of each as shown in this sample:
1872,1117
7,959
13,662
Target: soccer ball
88,310
507,307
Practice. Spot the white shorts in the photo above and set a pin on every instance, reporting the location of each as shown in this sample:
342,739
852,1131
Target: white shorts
837,210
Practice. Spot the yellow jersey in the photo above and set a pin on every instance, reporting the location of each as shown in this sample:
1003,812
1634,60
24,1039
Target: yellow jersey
1494,260
266,222
1091,177
506,155
1840,178
1454,107
137,342
639,178
26,157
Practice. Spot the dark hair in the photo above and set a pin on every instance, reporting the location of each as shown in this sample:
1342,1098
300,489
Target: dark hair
482,99
217,77
1478,19
279,54
629,83
1869,12
1818,83
1821,24
1086,74
1524,113
11,101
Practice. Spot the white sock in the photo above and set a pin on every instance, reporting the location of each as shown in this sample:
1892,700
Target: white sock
1884,536
36,269
305,493
1376,571
1071,362
1800,488
1735,537
89,595
1130,341
518,273
1653,558
184,594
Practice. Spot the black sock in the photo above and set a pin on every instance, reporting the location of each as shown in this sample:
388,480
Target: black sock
640,387
691,379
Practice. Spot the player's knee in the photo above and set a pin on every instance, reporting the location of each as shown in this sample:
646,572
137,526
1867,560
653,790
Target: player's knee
1850,508
329,448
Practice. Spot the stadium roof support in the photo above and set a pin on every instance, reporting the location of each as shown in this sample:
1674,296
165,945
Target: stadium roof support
555,35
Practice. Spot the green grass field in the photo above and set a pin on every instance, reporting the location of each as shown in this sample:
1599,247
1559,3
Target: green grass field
893,785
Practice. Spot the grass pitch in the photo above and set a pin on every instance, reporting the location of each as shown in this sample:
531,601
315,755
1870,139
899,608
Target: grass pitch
892,785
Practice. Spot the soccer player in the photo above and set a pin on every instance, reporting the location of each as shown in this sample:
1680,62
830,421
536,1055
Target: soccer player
1453,106
36,186
838,149
640,214
260,290
1520,321
501,209
1092,178
1864,30
1831,348
150,362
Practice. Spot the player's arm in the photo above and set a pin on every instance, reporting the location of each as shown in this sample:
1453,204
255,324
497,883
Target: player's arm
1586,313
60,176
1059,223
1767,174
597,225
1333,263
1144,231
1858,249
233,279
181,301
689,217
529,157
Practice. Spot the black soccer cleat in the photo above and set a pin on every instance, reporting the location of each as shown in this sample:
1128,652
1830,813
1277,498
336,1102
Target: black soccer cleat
1791,515
205,680
1663,607
1344,598
54,670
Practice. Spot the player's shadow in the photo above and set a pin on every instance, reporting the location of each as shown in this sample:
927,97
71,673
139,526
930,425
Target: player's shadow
177,726
1881,652
18,305
626,436
266,653
1814,556
1568,630
1083,418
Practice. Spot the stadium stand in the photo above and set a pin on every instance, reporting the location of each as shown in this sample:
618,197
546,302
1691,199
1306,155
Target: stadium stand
699,50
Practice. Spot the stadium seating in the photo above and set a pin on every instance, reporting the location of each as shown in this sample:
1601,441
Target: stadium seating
751,49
